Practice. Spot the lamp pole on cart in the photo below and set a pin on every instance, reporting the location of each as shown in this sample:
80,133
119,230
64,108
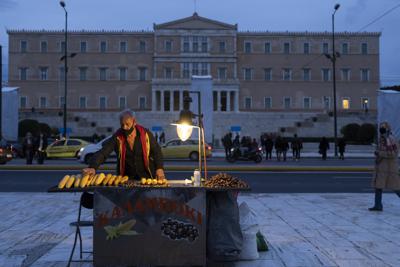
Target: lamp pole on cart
65,58
333,58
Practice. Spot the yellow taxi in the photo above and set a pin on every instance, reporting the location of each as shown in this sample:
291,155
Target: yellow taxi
65,148
189,149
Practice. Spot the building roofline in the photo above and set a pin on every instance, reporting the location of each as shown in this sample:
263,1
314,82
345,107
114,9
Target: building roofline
23,31
307,33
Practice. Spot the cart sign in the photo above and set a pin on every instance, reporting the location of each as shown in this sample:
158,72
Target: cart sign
149,226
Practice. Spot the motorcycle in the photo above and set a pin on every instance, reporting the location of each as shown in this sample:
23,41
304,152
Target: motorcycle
243,153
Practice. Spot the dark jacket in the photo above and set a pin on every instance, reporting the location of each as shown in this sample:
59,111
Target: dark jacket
155,158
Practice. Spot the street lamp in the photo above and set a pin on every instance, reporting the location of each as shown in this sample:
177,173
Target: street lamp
333,60
65,58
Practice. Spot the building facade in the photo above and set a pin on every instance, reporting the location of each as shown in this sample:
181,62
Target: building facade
272,80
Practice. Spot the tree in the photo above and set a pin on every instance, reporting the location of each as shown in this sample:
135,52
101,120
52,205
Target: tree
28,125
367,133
350,131
45,128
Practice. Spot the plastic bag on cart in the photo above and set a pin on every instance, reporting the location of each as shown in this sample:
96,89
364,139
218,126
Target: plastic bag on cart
224,236
249,226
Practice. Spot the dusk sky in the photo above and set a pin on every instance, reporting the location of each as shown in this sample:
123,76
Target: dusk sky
271,15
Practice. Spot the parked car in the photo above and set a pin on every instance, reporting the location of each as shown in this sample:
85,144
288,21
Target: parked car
65,148
86,152
189,149
5,152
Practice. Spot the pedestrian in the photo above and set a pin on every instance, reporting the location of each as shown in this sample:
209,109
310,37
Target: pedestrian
41,145
342,146
236,141
296,146
278,147
28,147
227,143
386,174
284,147
162,138
156,137
323,147
254,144
269,145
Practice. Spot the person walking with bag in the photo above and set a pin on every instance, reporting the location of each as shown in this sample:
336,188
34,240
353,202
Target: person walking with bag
386,174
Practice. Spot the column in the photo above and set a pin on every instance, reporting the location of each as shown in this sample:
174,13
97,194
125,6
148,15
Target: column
153,101
162,100
218,100
228,101
180,99
236,101
171,100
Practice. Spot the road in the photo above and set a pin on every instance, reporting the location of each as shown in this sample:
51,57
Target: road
260,182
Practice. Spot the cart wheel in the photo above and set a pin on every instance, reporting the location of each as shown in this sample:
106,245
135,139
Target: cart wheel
258,159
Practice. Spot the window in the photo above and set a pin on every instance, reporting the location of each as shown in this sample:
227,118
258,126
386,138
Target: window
103,74
61,101
102,102
326,75
345,103
168,46
142,47
43,47
168,73
42,102
22,102
82,73
287,102
247,102
365,103
223,99
167,100
122,102
122,47
345,74
23,46
215,100
142,73
103,46
62,47
307,102
73,143
364,75
287,74
327,102
364,49
142,102
222,73
83,47
247,74
268,74
268,102
59,143
345,48
306,74
186,71
195,68
204,69
61,73
204,44
44,73
176,100
247,47
306,48
286,48
325,48
186,44
23,74
82,102
267,48
222,47
195,44
122,74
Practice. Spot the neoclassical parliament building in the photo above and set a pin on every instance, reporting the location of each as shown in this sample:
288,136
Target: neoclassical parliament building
261,81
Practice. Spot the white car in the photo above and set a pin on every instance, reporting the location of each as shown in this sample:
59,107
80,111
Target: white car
86,152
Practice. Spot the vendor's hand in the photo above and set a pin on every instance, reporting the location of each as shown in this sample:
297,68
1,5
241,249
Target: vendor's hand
160,174
88,171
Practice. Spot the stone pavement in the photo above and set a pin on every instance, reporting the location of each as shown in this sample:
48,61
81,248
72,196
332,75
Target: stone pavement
301,229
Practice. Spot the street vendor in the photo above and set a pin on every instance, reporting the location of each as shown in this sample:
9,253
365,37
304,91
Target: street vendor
139,154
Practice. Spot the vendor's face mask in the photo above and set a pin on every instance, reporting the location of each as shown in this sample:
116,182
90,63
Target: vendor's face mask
125,123
382,130
129,131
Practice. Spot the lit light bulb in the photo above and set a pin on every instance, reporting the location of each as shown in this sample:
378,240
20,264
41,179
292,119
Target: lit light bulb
184,131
